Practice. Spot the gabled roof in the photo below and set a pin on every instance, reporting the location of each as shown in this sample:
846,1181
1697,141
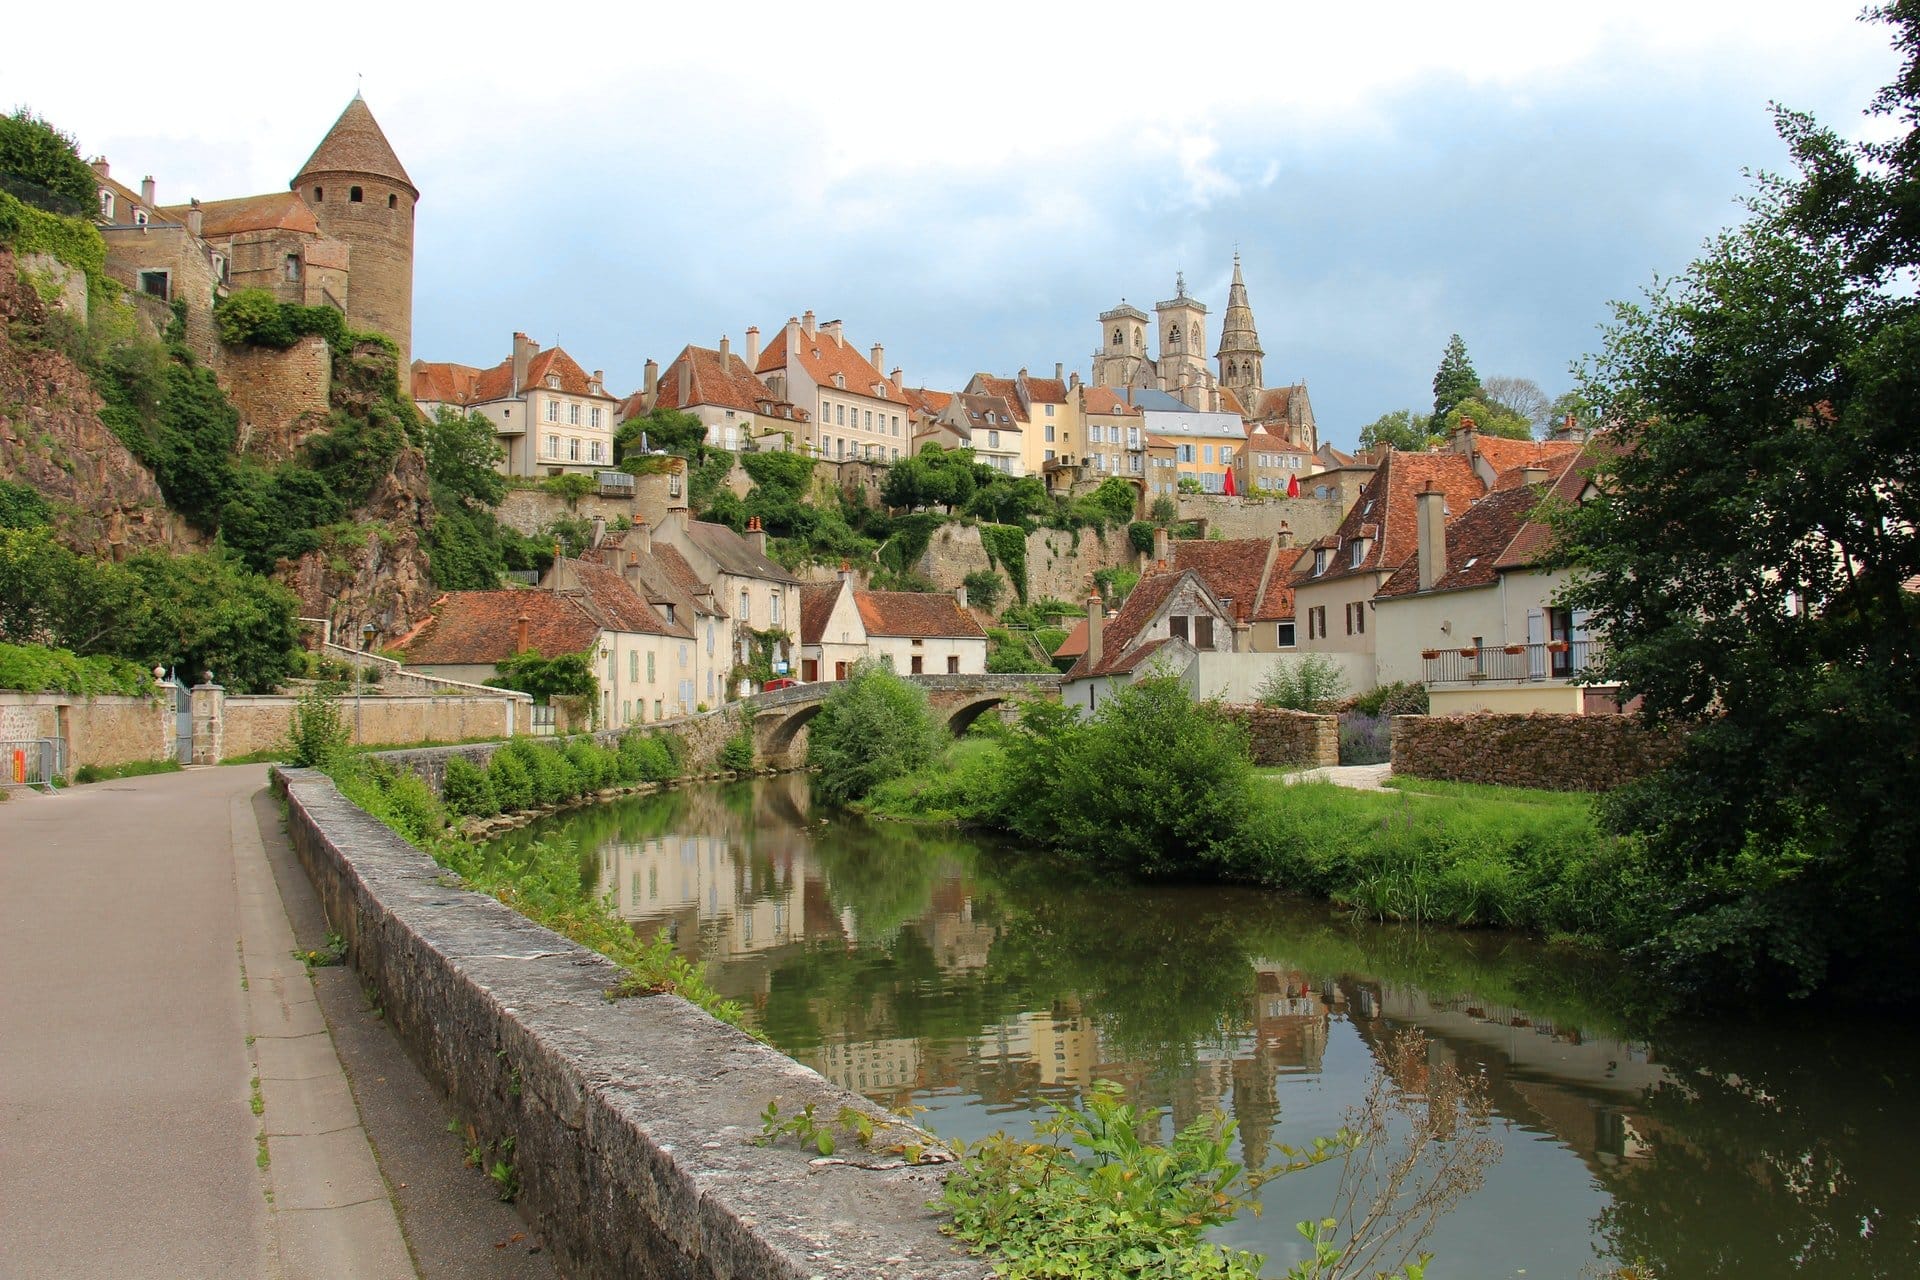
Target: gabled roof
915,613
468,385
822,356
1007,389
1232,568
1120,647
276,211
931,403
727,384
554,362
817,600
476,628
1387,511
356,144
733,553
1230,403
1047,390
1570,478
1266,442
444,383
680,577
615,604
1076,642
982,412
1105,400
1507,457
1273,403
1476,540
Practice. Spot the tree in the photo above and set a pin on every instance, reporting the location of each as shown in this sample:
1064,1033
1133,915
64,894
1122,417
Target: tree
1493,420
207,612
463,459
1401,429
874,727
1520,397
22,507
1454,380
42,161
570,675
668,430
1746,562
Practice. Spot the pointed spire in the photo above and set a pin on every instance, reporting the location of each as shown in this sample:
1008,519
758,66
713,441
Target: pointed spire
1239,351
1238,283
356,144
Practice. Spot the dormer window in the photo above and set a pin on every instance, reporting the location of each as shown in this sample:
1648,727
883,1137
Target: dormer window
1319,561
139,217
553,382
106,205
1359,552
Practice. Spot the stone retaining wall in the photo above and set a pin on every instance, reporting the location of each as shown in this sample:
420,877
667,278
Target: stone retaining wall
106,730
633,1120
250,723
1550,752
1281,737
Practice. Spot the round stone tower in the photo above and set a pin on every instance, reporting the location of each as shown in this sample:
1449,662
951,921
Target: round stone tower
360,195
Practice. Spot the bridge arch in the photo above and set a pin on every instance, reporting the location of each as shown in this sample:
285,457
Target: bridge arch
774,733
961,717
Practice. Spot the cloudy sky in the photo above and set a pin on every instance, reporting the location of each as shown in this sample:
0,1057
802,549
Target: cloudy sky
972,184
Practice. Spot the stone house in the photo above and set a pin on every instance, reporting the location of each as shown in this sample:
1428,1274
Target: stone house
721,389
985,424
1166,623
832,635
1472,614
922,632
1249,577
1113,438
855,410
661,576
549,414
1336,578
760,600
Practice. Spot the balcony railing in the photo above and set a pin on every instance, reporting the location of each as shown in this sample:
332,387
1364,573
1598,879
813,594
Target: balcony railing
1561,660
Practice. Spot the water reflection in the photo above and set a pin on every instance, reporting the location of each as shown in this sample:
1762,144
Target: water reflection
919,966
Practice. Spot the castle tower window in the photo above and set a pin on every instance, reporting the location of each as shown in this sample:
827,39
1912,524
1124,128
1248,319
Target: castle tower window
353,195
393,202
293,266
319,195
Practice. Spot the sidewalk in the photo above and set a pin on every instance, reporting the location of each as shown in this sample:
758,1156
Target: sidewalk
147,998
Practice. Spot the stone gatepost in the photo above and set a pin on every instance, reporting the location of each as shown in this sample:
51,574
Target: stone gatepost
209,705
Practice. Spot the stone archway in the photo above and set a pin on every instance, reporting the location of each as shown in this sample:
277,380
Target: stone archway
961,718
774,732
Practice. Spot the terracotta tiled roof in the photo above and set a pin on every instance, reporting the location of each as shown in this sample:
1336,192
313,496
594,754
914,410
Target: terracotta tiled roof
1530,545
931,403
1277,604
1476,539
817,600
915,613
617,606
1231,568
1509,456
729,386
470,628
1118,648
496,382
554,362
1106,400
276,211
356,144
1266,442
982,412
1390,505
1047,390
823,356
1076,642
1272,404
683,578
444,383
1230,403
1007,389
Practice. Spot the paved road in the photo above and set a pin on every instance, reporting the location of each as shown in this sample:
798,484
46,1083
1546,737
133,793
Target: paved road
172,1102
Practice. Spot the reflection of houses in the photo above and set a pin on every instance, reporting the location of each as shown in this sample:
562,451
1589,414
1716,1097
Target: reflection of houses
870,1066
700,882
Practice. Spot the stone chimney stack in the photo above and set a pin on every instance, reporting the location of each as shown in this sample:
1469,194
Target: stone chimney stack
879,357
650,386
520,629
832,329
599,531
146,191
753,347
846,571
756,534
640,539
1431,526
597,384
1285,535
898,379
194,218
1533,476
806,322
1059,371
960,595
523,352
100,166
1096,622
1162,545
726,354
794,331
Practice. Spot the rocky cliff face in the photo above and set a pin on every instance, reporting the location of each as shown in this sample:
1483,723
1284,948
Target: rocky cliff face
376,575
106,503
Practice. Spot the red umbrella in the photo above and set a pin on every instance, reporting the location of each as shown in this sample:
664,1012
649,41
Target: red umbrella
1293,486
1230,490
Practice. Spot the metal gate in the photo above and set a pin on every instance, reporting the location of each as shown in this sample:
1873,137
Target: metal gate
30,762
182,721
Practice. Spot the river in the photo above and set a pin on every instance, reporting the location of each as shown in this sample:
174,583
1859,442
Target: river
929,968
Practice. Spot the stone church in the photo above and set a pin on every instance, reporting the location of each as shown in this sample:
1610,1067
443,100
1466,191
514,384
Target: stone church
1179,365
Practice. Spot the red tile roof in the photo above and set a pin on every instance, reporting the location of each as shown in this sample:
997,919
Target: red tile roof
982,412
1007,389
915,613
928,402
1272,404
822,356
445,383
682,577
1266,442
473,628
1046,391
1119,650
817,600
615,604
463,384
1105,400
1570,480
276,211
729,386
1508,457
1232,569
1389,504
1475,541
1076,642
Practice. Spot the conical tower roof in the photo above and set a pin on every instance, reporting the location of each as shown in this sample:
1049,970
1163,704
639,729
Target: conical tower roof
1237,334
356,144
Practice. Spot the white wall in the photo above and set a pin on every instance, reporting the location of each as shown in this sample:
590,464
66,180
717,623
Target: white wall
1236,677
933,652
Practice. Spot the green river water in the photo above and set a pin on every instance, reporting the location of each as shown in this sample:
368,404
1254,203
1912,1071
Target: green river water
922,966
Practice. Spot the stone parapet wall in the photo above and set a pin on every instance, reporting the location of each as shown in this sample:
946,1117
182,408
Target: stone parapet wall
281,396
1543,750
632,1120
396,679
1277,736
529,511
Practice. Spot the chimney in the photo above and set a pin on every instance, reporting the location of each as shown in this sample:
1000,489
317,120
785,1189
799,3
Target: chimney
879,357
1096,621
806,322
1285,535
100,165
146,191
846,571
523,349
726,354
1059,371
1074,380
756,535
194,218
639,540
899,381
960,595
832,329
1162,545
686,383
1431,547
599,531
1533,475
520,629
753,347
794,331
651,386
597,384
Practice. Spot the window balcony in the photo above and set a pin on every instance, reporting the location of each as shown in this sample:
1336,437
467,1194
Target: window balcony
1557,662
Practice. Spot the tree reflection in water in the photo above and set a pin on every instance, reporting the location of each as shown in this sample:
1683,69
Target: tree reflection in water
915,963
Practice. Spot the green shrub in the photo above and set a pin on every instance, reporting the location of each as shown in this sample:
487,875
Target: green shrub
22,507
44,158
875,726
511,780
1403,698
965,786
254,318
1311,682
737,755
132,769
1006,546
467,790
33,668
983,588
1140,534
317,734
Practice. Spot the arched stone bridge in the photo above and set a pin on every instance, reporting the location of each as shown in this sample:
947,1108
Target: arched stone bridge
779,717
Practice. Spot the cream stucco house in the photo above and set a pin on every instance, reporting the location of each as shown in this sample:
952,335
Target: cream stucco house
549,415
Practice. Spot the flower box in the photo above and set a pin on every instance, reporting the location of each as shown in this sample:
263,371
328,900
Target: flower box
1429,654
1516,648
1469,653
1557,646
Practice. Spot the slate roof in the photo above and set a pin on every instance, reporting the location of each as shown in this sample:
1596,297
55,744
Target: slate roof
915,613
275,211
356,144
1387,512
817,600
733,553
480,627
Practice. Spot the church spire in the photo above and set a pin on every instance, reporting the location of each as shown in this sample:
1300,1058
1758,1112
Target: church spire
1239,353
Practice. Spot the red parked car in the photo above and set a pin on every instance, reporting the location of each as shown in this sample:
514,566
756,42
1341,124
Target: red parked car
782,683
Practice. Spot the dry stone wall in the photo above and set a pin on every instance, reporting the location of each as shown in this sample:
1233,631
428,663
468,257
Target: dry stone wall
1277,736
1543,750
